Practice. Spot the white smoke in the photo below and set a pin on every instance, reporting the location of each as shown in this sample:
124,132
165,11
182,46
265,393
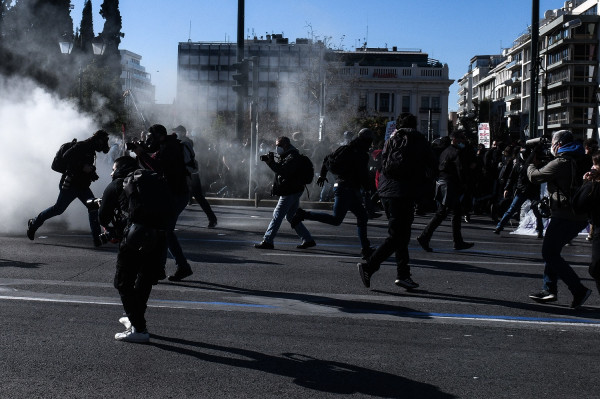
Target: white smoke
34,125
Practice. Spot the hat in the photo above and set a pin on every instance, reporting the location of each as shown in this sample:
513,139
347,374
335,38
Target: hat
563,137
366,133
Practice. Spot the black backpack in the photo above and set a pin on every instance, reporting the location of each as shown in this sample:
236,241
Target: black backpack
403,157
342,161
58,163
306,170
150,200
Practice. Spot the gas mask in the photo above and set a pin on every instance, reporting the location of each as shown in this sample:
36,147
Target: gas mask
102,145
553,149
152,142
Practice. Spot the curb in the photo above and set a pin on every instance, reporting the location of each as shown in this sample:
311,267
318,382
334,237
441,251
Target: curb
265,203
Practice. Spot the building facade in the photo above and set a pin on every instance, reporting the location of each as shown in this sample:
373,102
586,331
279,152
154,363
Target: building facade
567,96
135,78
305,85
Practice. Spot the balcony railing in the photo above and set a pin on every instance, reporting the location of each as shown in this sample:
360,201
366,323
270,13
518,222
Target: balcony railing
403,73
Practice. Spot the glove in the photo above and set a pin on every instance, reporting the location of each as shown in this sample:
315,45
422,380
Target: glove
321,181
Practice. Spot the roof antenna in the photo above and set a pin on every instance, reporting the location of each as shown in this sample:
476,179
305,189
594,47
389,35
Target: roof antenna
190,34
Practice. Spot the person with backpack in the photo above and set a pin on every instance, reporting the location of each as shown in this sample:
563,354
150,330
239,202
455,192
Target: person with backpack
349,164
76,162
194,182
407,163
452,183
163,153
136,205
563,177
291,173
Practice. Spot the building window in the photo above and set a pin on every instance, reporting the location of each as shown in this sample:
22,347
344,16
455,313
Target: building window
435,102
384,102
425,102
405,103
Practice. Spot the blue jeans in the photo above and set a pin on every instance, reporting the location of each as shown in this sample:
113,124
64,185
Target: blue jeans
514,207
346,199
65,197
286,207
558,234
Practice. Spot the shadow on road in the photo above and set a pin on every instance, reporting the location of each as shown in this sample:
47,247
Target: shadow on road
16,263
306,371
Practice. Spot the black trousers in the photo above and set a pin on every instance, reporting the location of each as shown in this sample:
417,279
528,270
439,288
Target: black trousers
440,216
400,213
195,186
137,271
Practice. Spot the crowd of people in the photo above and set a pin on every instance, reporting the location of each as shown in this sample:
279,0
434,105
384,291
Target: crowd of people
155,178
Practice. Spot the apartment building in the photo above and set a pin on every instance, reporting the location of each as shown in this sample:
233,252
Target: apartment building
304,84
568,57
135,78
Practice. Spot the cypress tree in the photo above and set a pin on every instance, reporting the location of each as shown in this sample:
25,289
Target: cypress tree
86,28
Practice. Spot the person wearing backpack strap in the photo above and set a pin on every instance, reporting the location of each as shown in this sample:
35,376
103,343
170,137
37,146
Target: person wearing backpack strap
194,182
407,161
163,154
562,178
288,185
351,174
79,173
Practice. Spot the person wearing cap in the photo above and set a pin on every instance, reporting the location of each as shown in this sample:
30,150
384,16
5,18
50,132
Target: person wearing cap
194,183
347,191
560,174
80,161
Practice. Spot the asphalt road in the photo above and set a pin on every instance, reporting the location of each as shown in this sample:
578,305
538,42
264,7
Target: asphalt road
296,323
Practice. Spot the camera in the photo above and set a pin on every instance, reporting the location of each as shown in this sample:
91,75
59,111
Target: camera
267,157
541,148
93,204
109,235
131,145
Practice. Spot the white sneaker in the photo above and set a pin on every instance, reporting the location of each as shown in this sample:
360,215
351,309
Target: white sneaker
125,321
132,335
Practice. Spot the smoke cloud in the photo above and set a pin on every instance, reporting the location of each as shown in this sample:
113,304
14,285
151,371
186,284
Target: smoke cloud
34,125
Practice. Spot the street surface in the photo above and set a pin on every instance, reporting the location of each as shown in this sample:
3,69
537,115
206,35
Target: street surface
291,323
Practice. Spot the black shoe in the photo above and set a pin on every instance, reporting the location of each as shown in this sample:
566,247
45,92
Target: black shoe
424,243
30,230
467,218
580,298
212,224
497,230
97,242
407,283
463,245
161,274
365,274
540,234
366,253
543,296
306,244
297,218
181,273
264,245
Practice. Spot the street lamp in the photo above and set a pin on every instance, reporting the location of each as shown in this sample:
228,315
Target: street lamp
98,47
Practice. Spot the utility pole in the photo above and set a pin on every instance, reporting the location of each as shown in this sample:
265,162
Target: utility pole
239,109
535,68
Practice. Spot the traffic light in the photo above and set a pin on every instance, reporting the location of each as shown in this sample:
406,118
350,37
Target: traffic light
240,78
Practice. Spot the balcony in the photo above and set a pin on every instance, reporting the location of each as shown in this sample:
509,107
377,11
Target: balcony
426,110
513,96
396,73
515,112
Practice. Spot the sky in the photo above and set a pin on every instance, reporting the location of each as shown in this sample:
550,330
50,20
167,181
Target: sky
451,31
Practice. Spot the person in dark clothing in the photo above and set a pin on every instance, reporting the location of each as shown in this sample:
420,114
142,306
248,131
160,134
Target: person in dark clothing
80,172
347,191
288,186
452,181
194,182
164,155
399,188
138,263
522,189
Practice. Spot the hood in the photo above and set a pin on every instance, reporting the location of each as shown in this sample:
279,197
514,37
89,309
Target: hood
574,148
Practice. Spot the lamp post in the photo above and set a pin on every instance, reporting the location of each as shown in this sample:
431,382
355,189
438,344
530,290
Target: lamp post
98,47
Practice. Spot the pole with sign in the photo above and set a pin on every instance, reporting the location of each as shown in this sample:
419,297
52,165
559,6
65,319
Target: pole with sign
483,130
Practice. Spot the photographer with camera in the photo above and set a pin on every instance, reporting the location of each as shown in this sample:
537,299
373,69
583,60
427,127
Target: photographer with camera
563,177
78,173
288,185
163,153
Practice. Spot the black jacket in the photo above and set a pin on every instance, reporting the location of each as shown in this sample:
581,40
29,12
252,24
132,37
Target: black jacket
287,173
416,182
519,183
168,162
360,167
76,157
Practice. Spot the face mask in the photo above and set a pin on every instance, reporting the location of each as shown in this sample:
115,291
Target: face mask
279,150
553,150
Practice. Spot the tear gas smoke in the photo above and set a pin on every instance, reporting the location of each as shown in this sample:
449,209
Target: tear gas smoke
34,125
